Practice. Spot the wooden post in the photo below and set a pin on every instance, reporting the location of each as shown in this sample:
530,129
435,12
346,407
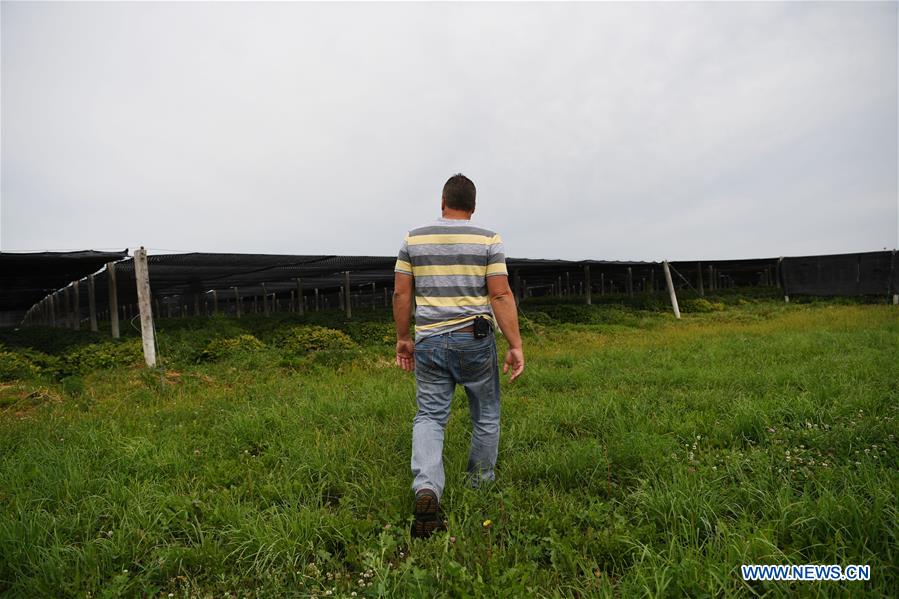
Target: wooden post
652,280
587,284
567,283
66,307
92,301
237,303
215,302
53,309
602,283
711,278
671,293
386,300
301,305
144,306
347,300
76,312
113,300
699,278
196,304
891,283
783,280
317,302
630,282
157,308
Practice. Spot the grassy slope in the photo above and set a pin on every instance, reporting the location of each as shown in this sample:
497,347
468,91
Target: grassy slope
653,458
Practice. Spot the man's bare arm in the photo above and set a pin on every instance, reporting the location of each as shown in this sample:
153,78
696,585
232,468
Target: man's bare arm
506,312
402,313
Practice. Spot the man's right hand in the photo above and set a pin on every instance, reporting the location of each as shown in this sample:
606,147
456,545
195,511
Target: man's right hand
405,354
515,361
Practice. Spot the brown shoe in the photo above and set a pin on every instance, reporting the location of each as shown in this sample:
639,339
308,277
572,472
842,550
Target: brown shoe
428,515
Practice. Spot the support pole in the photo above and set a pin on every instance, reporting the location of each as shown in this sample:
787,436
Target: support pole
587,288
215,302
76,312
630,281
783,280
300,303
891,284
671,289
142,275
602,283
699,279
113,300
347,300
92,301
52,309
317,302
66,306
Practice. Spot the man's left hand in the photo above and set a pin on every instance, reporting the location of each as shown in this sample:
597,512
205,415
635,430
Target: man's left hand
405,354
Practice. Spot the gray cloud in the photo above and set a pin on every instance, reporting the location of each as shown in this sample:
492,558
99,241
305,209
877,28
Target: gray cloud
607,131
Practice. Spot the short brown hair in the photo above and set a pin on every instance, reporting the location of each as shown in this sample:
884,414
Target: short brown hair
459,193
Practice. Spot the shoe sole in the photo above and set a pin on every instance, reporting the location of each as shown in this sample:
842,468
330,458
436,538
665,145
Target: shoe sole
427,515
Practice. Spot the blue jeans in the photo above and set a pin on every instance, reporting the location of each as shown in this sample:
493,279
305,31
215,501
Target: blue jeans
441,362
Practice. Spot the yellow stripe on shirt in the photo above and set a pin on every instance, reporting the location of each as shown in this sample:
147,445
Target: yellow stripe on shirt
449,269
459,300
451,238
498,268
403,266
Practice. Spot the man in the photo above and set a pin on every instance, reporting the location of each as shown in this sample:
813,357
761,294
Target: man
458,272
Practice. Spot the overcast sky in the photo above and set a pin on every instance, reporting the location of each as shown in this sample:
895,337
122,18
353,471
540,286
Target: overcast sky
605,131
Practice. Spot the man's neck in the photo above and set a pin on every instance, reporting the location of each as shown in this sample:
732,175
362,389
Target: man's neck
451,214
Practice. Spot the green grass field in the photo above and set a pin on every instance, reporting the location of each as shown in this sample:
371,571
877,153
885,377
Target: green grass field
639,456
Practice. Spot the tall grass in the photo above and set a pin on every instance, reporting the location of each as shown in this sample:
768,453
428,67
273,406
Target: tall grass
639,456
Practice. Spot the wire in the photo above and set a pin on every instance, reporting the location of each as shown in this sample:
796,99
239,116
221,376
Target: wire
683,278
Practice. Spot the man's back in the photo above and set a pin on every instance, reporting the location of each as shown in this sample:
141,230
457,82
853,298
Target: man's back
450,260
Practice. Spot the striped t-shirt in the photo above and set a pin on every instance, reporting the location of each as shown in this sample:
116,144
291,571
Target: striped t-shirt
450,260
